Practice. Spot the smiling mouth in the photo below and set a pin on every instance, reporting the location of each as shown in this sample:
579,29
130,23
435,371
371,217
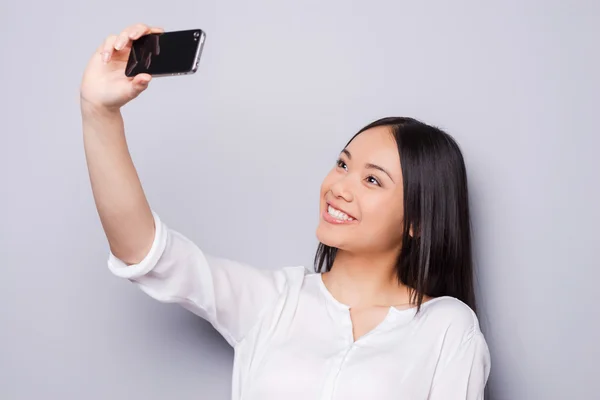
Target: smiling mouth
338,215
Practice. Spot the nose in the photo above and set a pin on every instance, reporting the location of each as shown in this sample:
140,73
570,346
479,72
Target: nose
341,189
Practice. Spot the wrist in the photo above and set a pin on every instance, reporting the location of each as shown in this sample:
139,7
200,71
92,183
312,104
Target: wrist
91,110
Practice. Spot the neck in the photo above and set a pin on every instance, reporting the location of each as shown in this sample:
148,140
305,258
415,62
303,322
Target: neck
364,280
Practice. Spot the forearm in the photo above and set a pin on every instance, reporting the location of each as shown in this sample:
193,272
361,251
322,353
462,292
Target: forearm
122,206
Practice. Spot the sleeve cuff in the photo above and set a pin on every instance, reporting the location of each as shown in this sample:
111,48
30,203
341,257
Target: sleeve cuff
122,270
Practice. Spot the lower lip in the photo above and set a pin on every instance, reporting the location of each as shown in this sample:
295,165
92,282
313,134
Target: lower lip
332,220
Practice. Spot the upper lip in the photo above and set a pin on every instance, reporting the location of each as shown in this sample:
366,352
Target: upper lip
341,209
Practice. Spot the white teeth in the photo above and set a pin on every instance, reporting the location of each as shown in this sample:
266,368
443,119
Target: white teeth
337,214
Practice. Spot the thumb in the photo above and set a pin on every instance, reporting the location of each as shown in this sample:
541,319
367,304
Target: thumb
140,83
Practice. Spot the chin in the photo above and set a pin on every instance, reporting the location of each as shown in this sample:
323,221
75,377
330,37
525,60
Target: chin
328,236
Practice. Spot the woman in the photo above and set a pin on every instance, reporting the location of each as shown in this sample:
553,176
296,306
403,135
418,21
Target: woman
390,313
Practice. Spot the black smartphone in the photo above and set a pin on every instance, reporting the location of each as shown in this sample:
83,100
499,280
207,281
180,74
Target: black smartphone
166,54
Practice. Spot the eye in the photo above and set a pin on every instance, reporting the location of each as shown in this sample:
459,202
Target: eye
341,164
373,180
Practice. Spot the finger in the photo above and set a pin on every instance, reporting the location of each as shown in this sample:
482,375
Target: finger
142,78
140,82
140,30
122,40
134,32
107,48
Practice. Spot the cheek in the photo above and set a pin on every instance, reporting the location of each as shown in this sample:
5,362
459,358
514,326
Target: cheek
326,184
384,213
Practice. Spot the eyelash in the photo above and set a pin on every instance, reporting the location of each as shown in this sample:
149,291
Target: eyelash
340,161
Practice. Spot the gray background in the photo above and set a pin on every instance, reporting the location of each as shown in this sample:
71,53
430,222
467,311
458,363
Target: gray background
233,157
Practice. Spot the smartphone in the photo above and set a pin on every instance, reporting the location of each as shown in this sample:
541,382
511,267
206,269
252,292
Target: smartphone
166,54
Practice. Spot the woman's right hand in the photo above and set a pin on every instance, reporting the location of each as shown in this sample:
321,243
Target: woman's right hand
104,84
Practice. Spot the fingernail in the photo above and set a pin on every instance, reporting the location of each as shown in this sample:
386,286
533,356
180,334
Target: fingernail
119,44
133,35
105,57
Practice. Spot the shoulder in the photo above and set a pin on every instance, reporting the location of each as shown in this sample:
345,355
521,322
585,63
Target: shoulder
450,309
454,332
450,317
246,274
292,273
291,276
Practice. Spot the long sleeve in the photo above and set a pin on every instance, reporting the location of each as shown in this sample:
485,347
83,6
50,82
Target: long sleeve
466,373
230,295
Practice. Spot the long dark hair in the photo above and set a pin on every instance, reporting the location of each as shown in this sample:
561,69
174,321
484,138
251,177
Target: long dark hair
436,259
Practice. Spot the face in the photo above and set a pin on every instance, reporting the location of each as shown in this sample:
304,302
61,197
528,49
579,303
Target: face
362,196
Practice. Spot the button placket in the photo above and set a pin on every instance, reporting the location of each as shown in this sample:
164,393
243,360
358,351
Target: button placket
335,372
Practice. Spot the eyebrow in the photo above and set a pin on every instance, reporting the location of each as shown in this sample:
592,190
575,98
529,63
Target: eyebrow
369,165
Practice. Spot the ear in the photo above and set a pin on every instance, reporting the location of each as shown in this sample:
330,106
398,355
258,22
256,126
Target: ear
411,232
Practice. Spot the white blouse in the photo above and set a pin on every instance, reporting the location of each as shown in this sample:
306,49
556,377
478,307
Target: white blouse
293,339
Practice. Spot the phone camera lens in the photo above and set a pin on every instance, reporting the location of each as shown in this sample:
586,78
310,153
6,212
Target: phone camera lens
196,34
